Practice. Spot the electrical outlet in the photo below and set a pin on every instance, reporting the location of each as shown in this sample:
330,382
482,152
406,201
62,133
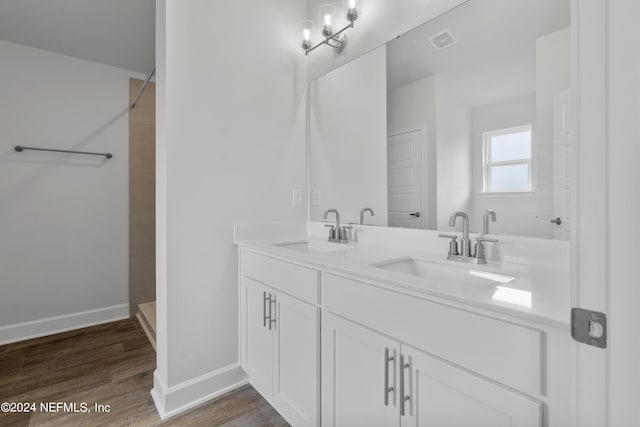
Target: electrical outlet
296,196
317,198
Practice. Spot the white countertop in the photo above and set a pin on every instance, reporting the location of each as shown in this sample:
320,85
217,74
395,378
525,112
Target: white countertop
537,293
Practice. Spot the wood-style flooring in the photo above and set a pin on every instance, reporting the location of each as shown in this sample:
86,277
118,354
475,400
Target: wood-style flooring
110,364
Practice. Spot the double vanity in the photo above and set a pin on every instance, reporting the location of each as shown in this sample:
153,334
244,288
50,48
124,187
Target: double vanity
410,322
386,331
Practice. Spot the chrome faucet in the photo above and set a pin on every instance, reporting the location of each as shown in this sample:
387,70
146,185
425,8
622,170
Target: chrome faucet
363,211
465,243
335,211
464,254
337,233
489,214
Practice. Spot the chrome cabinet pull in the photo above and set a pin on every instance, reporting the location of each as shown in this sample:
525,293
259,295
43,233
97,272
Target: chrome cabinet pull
387,389
272,319
403,398
265,317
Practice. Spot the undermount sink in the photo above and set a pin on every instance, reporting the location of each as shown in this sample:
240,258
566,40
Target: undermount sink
314,247
429,269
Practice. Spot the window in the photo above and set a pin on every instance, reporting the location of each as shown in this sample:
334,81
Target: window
507,160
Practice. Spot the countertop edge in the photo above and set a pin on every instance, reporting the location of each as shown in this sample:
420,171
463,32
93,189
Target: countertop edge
268,247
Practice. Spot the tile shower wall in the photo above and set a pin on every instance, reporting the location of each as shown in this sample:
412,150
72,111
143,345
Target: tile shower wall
142,202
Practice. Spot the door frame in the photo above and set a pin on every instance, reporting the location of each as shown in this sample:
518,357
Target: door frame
423,160
623,202
589,240
603,247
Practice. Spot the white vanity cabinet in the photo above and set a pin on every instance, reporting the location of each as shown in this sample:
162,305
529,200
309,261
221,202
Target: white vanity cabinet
257,334
280,335
370,379
336,349
447,366
355,375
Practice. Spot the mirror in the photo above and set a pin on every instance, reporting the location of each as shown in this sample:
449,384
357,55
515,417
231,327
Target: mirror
467,112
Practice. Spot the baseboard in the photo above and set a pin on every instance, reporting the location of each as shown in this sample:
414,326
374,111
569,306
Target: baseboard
68,322
176,399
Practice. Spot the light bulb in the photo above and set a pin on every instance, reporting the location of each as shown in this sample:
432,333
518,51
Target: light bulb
352,12
306,28
327,11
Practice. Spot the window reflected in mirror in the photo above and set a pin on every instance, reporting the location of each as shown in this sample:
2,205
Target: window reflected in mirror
507,160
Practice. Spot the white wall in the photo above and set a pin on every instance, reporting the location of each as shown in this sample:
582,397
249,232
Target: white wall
413,106
63,218
231,147
379,21
162,294
453,154
348,139
516,213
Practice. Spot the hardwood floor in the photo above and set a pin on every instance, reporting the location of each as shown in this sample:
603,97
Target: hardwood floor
109,364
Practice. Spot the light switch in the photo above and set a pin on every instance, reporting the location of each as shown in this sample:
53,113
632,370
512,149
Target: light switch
316,200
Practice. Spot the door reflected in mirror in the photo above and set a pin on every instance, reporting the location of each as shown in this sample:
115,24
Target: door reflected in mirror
467,112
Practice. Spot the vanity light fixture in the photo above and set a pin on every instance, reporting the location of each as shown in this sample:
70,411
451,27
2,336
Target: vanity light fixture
336,40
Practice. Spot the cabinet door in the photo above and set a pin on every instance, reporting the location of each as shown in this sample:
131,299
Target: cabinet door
441,395
296,367
257,361
353,376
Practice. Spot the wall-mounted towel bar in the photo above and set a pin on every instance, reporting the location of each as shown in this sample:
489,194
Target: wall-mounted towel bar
20,149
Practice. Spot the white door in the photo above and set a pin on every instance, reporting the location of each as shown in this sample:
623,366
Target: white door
444,396
405,179
258,344
563,173
353,376
296,368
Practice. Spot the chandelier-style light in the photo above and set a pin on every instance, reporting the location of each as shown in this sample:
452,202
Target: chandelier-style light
336,40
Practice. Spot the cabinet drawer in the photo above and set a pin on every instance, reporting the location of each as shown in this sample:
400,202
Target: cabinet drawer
300,282
508,353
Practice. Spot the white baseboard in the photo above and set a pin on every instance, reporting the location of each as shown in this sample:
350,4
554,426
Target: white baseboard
57,324
173,400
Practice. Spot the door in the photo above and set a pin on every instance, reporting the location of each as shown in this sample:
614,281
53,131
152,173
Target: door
355,389
258,338
405,179
296,364
440,395
563,161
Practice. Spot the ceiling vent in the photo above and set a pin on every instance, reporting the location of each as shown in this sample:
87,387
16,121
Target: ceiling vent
443,40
